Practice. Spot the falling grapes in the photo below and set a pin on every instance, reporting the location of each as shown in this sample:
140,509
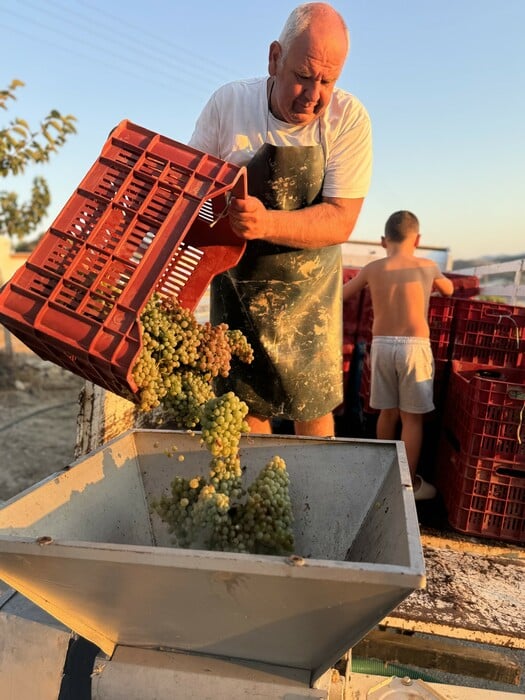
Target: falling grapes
180,358
218,513
176,369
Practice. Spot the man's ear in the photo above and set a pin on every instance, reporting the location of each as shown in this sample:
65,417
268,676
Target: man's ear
383,241
416,242
274,57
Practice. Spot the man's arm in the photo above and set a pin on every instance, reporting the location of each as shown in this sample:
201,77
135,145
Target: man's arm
327,223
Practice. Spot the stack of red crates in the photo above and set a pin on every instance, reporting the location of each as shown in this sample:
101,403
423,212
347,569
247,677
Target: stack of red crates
481,460
489,333
479,354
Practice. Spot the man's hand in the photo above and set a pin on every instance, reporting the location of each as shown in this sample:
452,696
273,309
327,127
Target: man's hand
248,218
328,223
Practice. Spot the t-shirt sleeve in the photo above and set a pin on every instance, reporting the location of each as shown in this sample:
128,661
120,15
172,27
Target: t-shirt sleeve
205,135
349,163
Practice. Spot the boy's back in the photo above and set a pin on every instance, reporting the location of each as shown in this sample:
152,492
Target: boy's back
400,286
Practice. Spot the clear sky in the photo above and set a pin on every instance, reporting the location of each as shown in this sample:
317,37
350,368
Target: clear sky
444,83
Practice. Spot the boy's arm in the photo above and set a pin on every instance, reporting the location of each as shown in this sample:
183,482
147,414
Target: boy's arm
355,284
442,284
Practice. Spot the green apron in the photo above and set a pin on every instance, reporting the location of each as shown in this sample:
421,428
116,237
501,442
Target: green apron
287,301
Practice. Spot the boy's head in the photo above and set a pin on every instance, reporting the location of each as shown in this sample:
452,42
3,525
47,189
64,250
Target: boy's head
400,226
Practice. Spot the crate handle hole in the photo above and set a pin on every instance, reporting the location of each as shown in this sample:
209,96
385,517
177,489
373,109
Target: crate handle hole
512,473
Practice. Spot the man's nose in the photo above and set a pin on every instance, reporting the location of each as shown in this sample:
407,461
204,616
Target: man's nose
313,91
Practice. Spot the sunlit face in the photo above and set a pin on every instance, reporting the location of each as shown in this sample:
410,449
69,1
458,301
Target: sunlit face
305,78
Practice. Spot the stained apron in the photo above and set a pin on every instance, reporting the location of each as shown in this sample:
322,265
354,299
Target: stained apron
287,301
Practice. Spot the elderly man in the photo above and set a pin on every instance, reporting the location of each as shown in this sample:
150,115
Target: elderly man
307,148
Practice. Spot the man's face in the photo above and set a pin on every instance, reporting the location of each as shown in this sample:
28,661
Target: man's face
305,77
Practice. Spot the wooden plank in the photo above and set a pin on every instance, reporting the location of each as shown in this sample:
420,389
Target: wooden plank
469,595
495,279
439,654
465,543
103,416
494,268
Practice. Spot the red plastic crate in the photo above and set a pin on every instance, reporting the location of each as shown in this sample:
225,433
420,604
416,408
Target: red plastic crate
483,497
441,380
348,353
351,309
488,333
485,410
465,286
146,218
366,319
349,273
440,319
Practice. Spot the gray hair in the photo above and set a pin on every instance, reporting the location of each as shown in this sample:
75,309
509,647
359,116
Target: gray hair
301,18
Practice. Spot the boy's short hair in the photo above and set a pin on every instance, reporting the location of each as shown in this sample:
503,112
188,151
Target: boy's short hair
401,225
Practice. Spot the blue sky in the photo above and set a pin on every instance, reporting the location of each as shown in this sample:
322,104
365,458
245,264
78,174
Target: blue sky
444,83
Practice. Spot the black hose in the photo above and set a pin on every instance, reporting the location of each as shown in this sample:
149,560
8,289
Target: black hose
35,413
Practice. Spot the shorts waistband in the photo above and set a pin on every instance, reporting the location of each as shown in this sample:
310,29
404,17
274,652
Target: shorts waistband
400,340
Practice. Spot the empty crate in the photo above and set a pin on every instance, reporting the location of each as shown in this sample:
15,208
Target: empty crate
485,411
489,333
484,497
147,217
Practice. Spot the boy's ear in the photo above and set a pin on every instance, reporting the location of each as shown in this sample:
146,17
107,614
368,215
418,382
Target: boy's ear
418,238
383,241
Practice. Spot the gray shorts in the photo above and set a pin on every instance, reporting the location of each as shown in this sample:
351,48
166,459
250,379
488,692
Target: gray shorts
402,370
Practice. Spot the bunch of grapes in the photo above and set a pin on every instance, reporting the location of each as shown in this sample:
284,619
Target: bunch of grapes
268,518
180,359
218,513
176,509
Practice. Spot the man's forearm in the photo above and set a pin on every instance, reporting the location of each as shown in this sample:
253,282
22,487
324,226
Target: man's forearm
327,223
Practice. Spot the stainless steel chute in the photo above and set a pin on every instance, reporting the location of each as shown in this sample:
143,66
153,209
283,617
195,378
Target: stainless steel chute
85,546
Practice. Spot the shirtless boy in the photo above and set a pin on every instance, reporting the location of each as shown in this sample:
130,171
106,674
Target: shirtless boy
402,364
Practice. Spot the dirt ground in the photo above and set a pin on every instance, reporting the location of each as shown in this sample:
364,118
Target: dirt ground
39,404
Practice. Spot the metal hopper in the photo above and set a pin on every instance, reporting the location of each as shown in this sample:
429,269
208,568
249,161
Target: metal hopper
84,546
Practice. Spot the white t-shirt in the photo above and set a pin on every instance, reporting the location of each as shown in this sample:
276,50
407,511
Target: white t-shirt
236,122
